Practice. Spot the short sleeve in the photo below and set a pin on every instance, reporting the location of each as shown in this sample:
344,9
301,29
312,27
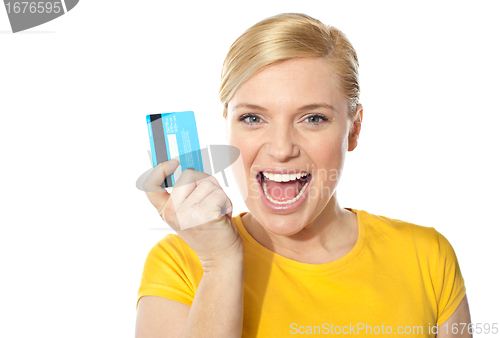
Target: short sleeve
450,286
172,270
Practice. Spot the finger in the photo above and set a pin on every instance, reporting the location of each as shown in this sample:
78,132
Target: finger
209,185
183,187
214,206
152,185
222,202
203,189
187,183
140,181
189,175
155,179
228,206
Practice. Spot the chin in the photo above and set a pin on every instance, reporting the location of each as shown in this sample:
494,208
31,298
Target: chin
284,229
279,224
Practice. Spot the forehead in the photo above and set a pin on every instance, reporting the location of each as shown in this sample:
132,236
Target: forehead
295,82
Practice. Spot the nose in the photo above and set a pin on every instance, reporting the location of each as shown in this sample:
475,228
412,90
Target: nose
281,145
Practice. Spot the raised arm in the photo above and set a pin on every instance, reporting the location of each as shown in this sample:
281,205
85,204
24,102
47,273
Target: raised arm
200,212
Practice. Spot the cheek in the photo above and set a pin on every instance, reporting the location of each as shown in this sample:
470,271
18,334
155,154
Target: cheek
329,158
241,168
247,151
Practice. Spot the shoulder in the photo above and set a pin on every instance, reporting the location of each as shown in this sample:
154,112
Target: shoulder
407,238
172,247
171,261
171,270
378,225
169,243
171,256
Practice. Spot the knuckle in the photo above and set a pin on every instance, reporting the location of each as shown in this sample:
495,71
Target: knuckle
206,184
213,180
220,193
188,173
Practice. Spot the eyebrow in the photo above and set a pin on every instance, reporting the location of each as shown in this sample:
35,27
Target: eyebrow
303,108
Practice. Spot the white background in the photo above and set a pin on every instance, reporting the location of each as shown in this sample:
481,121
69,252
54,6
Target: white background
74,94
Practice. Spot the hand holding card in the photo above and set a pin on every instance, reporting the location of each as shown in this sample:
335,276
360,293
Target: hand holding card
197,204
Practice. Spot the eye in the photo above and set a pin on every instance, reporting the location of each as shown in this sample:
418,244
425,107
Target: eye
316,119
250,119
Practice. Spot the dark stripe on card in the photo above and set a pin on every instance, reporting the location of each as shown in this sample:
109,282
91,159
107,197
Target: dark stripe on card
160,146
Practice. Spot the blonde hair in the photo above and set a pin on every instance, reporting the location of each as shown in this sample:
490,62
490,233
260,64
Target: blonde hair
287,36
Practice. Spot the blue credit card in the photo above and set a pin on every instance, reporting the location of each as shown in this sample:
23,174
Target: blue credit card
174,136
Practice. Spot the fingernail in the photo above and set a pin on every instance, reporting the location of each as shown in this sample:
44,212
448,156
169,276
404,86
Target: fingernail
190,168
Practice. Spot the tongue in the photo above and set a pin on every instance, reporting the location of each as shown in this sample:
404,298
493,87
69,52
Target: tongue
283,191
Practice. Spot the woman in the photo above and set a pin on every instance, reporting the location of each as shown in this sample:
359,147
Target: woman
297,263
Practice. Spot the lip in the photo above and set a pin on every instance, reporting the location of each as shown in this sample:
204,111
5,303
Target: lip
283,171
283,208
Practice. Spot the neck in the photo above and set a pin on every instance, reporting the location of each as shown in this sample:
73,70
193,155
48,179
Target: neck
329,236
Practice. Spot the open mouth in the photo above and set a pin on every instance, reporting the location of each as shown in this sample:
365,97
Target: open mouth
283,188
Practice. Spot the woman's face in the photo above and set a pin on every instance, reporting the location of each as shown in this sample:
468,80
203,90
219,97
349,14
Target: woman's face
289,118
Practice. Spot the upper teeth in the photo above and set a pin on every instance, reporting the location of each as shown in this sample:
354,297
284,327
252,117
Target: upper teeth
283,177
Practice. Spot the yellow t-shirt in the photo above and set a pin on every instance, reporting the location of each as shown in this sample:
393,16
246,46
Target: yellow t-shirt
399,278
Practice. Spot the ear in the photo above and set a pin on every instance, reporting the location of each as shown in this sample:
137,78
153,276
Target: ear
354,134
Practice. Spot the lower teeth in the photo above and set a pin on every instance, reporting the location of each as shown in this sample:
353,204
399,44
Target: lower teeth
284,202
